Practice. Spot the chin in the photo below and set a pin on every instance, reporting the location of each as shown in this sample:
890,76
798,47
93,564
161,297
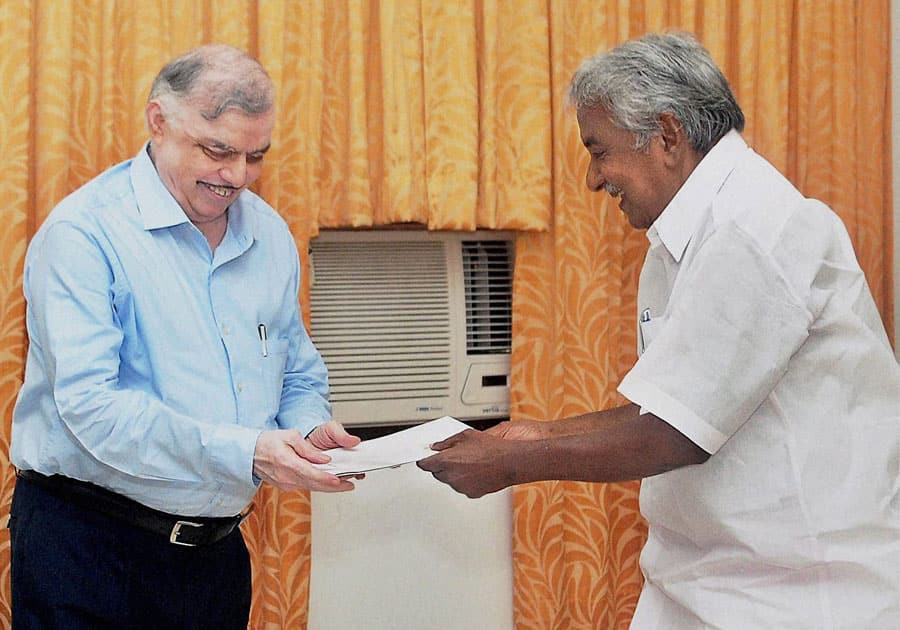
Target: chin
638,220
638,223
632,219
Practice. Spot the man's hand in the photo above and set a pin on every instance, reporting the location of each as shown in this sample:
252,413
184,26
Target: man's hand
284,459
474,463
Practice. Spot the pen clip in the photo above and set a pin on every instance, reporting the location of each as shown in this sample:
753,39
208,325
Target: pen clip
263,339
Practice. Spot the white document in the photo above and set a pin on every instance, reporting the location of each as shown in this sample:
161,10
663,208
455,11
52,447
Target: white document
402,447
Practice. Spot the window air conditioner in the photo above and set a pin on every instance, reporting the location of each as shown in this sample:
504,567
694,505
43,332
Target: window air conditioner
413,325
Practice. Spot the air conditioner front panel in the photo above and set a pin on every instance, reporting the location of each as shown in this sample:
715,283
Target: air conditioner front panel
399,318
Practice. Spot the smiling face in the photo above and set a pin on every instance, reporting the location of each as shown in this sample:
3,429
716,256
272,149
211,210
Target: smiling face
207,164
644,180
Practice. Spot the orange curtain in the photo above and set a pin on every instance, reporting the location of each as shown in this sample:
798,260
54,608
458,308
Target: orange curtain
449,113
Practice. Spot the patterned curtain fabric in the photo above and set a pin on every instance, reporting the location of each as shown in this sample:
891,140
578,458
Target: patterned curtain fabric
451,114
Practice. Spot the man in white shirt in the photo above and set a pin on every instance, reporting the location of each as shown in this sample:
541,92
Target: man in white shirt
765,404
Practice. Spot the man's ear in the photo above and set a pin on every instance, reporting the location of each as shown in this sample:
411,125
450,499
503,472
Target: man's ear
671,131
156,119
672,138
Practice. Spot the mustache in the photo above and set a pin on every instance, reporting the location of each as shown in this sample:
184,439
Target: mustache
612,190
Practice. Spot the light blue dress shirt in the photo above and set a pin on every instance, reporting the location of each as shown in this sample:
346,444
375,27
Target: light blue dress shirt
145,371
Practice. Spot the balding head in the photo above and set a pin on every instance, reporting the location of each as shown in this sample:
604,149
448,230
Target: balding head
213,79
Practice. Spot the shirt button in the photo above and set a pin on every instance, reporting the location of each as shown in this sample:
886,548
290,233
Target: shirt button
240,387
226,330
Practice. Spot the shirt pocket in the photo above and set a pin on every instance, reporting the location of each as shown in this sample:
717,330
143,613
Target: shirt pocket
272,372
647,330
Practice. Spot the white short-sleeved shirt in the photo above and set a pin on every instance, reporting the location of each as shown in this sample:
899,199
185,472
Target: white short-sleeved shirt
763,345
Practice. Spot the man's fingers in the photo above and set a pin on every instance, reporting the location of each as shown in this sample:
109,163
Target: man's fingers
332,434
344,439
308,477
331,484
451,441
306,450
429,464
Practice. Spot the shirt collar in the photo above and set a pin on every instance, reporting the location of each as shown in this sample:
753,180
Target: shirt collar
159,209
678,221
156,204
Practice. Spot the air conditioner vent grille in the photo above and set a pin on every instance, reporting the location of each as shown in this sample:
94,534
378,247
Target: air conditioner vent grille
487,270
380,318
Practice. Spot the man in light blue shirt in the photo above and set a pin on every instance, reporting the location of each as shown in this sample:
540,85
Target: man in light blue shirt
168,370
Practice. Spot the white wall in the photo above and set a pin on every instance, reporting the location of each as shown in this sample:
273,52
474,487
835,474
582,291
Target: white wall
406,552
895,115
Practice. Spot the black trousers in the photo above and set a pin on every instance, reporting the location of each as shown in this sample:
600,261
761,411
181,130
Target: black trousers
73,568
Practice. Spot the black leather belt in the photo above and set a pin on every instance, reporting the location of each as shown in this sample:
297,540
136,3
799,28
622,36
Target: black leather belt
189,531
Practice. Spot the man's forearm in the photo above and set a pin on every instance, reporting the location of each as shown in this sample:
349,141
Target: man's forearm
592,421
615,445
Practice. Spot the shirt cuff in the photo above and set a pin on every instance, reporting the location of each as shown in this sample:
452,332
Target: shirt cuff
305,423
231,452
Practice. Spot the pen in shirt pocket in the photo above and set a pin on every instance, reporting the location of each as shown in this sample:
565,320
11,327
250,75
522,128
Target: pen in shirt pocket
263,340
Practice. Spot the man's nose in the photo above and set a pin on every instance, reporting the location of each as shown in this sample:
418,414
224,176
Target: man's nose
235,171
594,179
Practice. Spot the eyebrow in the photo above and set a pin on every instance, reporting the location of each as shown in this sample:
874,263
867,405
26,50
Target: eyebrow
221,146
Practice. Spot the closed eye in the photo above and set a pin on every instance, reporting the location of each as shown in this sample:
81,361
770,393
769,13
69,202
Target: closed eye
225,153
217,154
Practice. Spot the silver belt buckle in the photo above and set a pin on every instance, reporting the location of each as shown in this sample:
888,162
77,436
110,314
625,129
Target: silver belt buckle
176,530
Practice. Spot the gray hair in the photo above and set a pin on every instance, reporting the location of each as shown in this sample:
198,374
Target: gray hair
214,78
644,78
